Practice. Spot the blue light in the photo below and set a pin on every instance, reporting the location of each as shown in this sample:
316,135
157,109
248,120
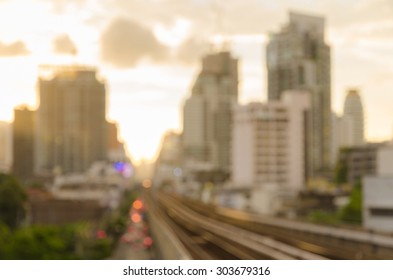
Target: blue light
119,166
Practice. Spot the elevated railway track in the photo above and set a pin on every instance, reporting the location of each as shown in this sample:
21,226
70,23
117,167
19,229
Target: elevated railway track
207,237
322,241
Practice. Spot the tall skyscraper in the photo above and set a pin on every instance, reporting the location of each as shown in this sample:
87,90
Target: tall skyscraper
207,125
353,111
23,142
71,126
299,58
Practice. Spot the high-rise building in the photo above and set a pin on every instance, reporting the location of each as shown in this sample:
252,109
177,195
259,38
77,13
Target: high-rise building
299,58
71,129
353,111
23,142
348,129
269,143
207,125
167,166
342,135
5,146
116,150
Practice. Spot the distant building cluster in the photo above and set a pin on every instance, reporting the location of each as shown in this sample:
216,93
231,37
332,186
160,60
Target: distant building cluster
67,147
68,132
277,156
270,148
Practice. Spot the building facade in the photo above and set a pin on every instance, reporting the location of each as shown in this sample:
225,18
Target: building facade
299,58
71,130
116,149
269,143
167,168
342,135
378,192
5,146
23,142
353,112
207,121
357,162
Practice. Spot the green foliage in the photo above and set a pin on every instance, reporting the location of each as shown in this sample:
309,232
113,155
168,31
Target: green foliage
53,243
323,217
101,249
352,212
48,242
116,223
340,174
36,185
12,200
5,236
349,214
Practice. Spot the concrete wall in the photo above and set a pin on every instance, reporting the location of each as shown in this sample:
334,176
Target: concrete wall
377,203
298,102
243,151
385,161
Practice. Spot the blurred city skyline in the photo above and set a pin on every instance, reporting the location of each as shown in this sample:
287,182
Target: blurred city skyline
149,54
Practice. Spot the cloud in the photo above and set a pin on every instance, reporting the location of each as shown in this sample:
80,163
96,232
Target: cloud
191,50
125,42
13,49
62,6
252,16
63,44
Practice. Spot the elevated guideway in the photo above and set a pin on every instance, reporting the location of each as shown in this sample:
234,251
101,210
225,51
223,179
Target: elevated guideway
209,232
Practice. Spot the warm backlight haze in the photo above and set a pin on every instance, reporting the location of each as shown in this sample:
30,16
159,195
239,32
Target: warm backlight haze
148,53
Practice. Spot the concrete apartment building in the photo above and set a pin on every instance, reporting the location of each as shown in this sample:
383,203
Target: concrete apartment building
71,127
359,161
298,58
269,148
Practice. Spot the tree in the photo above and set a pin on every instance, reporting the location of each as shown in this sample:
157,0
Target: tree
352,212
12,200
341,172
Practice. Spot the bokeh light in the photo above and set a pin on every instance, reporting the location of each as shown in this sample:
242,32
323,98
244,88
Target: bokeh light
136,218
146,183
137,204
147,241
